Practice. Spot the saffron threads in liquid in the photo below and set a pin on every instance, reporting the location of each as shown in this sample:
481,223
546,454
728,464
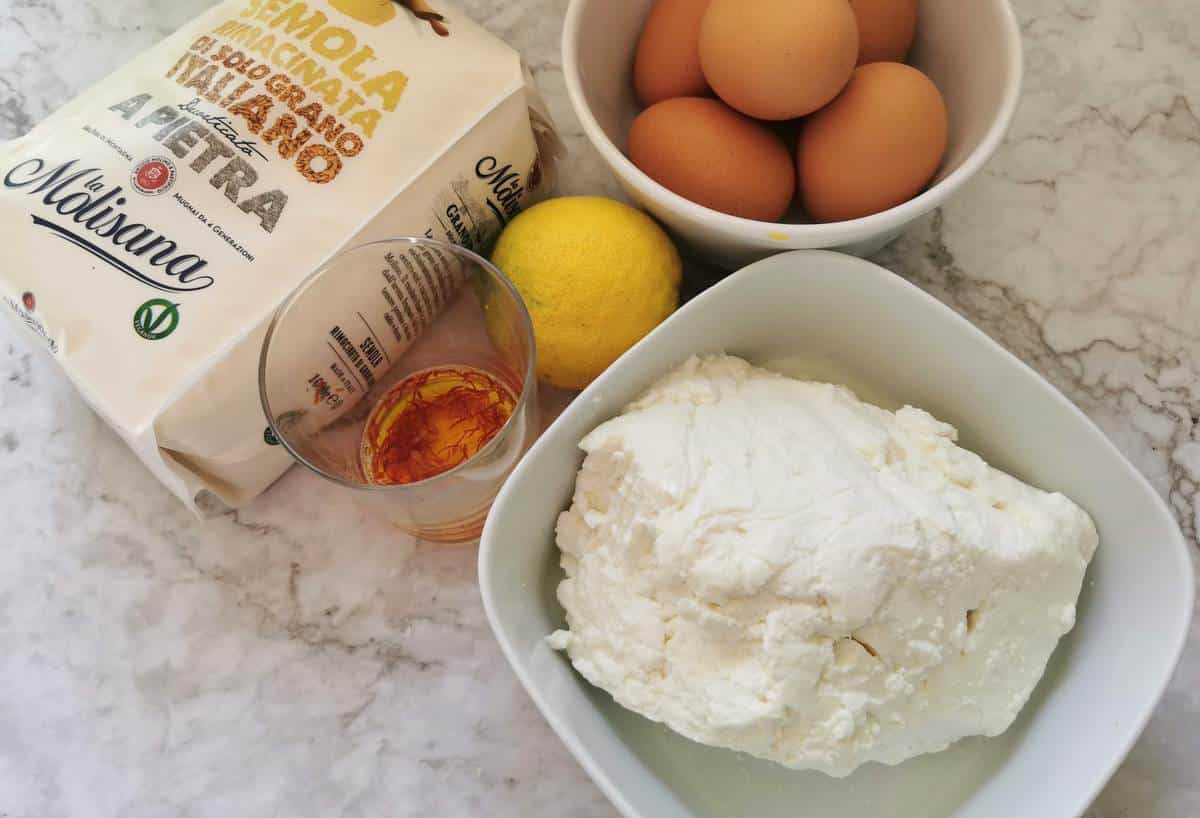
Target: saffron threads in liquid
432,421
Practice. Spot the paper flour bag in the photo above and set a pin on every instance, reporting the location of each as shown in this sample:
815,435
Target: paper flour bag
152,225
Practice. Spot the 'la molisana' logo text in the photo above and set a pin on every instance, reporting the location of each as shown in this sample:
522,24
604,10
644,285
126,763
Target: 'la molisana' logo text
100,227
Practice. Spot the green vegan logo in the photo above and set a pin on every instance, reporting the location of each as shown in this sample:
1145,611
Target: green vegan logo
156,319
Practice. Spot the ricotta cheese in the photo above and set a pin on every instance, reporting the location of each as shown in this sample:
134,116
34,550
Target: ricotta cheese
774,566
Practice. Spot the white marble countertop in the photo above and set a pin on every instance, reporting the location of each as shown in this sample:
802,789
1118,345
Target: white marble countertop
265,663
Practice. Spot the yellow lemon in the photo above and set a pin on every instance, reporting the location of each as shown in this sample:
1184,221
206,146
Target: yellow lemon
596,275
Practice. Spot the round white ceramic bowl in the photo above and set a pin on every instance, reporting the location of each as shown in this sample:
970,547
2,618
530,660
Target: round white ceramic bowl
973,55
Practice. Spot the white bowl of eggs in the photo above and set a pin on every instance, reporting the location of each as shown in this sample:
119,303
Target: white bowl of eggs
752,128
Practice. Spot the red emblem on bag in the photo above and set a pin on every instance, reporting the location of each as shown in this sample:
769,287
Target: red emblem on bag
153,176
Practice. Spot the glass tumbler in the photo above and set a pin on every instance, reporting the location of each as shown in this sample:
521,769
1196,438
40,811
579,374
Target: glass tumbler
379,346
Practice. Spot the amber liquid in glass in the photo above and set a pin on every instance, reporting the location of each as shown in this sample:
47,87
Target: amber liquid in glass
432,421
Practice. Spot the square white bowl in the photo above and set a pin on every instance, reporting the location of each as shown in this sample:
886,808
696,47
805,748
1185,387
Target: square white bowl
1103,681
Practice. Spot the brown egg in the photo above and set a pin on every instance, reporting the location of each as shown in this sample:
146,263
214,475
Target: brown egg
668,55
875,146
778,59
885,29
706,152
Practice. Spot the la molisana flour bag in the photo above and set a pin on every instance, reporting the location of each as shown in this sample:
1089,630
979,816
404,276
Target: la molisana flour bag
152,225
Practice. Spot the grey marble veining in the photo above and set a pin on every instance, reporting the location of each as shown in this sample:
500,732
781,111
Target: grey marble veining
300,659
